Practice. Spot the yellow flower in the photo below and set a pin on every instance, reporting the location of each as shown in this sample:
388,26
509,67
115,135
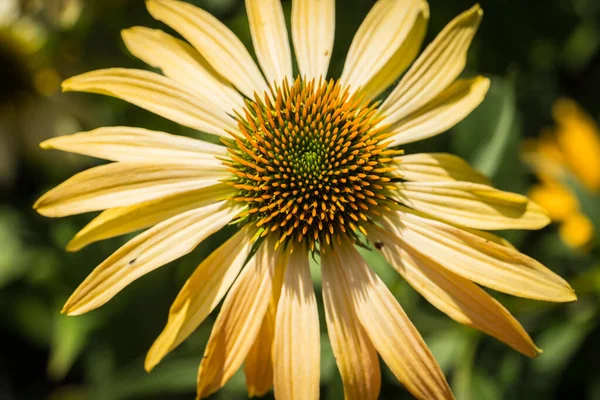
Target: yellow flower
308,166
573,146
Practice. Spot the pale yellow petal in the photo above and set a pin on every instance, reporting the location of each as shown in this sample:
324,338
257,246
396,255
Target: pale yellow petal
122,143
389,329
158,94
354,353
148,251
459,298
122,220
239,320
379,39
258,367
270,39
435,167
215,42
201,294
297,348
181,62
442,113
477,258
313,31
124,184
435,69
472,205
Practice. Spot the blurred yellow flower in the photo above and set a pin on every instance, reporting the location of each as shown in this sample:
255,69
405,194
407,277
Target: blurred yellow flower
308,166
572,146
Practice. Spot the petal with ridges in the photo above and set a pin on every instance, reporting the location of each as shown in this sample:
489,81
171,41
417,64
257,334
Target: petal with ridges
98,188
270,38
155,93
391,332
472,205
435,69
239,320
297,347
355,355
258,367
313,31
477,258
123,143
459,298
201,294
435,167
123,220
181,62
442,113
378,39
215,42
148,251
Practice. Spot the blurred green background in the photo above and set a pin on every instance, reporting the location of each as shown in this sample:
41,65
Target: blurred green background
535,52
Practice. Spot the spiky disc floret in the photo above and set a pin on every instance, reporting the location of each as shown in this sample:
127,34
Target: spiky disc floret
311,164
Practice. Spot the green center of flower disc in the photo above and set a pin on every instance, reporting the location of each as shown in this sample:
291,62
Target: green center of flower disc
311,163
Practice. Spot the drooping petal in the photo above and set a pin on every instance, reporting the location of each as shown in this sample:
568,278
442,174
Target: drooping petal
379,41
124,184
477,258
148,251
313,31
354,353
270,39
297,348
472,205
215,42
459,298
156,93
389,329
181,62
435,167
442,113
123,143
258,367
123,220
239,320
435,69
201,294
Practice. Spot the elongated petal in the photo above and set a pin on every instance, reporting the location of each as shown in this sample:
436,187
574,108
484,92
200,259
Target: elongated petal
122,143
313,31
435,69
354,353
297,348
389,329
435,167
156,93
270,38
239,321
215,42
258,367
452,294
146,252
380,36
124,184
201,294
478,259
181,62
442,113
122,220
472,205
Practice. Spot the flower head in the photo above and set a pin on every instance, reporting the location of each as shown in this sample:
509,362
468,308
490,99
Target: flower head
307,165
572,147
